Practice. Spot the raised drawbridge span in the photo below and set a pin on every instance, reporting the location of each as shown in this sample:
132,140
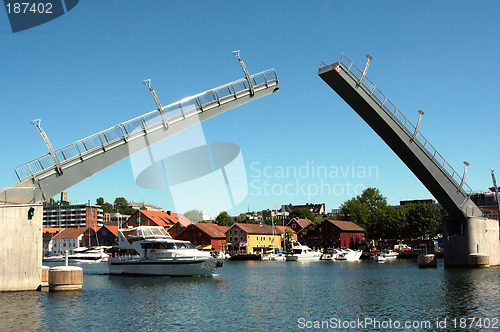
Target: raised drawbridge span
404,138
50,174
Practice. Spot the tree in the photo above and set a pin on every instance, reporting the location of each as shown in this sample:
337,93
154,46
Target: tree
288,237
302,213
100,201
121,205
243,218
422,220
361,209
224,219
194,215
107,208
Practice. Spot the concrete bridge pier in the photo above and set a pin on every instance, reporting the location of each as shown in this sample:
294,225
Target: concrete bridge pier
20,247
464,240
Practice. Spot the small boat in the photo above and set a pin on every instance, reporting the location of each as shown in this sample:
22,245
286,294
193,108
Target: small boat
93,255
53,258
379,257
349,255
303,253
390,254
150,250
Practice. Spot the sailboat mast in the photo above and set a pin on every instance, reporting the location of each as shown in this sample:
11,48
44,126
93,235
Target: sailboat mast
496,191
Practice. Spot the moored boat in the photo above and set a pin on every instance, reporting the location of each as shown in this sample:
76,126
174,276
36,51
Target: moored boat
390,254
349,255
379,257
93,255
303,253
150,250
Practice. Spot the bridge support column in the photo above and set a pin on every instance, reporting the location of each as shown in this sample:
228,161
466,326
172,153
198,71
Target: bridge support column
474,235
20,247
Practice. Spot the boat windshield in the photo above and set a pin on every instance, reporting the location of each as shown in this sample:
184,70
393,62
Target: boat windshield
178,245
153,232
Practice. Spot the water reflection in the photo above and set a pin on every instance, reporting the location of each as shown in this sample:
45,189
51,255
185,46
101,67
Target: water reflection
20,311
259,296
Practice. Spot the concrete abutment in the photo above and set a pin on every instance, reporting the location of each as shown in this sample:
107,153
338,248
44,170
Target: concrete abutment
20,247
474,236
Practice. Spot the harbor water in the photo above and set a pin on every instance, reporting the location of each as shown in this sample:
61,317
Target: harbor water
262,296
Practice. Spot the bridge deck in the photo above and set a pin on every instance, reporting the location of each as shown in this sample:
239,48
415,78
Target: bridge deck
39,179
397,132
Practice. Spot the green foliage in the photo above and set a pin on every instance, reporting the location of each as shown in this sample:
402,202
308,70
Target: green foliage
107,208
422,220
194,215
361,209
302,213
243,218
370,211
224,219
121,205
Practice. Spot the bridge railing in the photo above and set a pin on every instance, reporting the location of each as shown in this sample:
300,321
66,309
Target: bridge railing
377,95
174,112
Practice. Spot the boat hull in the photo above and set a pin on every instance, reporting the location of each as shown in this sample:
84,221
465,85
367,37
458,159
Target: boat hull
164,267
302,258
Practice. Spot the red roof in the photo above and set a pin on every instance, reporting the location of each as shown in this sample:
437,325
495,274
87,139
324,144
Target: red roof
179,218
212,230
52,230
112,229
160,218
303,223
282,229
347,226
70,233
257,229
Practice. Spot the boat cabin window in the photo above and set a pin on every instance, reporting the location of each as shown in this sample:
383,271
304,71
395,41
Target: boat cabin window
178,245
151,245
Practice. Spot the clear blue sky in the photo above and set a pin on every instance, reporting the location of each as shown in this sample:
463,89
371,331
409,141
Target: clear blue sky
82,73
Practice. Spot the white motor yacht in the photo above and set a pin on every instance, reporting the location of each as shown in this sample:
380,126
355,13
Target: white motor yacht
150,250
303,253
349,255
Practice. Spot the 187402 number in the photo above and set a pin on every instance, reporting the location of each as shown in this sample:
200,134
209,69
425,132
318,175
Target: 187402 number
23,7
474,322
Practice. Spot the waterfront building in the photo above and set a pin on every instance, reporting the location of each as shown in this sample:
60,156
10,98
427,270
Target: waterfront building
205,235
154,218
249,238
178,227
301,226
335,234
65,214
107,235
75,238
47,234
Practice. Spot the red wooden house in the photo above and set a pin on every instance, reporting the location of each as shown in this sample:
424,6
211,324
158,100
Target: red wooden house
202,234
336,234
